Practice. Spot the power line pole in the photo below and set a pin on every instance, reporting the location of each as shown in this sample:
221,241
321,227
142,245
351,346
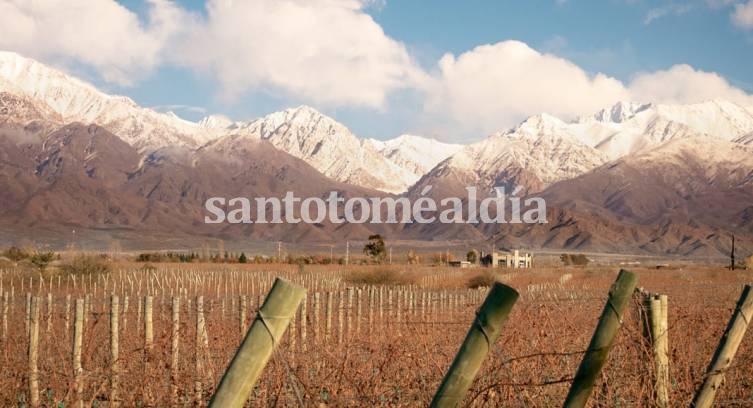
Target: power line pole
390,255
347,252
732,255
279,251
331,254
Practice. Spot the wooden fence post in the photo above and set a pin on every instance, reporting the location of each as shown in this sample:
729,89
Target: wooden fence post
265,334
242,310
201,349
5,318
726,350
174,349
33,351
660,346
148,325
601,342
78,340
484,331
114,350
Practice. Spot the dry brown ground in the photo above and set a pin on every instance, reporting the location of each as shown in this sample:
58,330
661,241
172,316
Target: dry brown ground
400,358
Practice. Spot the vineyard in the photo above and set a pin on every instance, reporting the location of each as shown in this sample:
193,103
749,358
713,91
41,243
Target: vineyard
363,336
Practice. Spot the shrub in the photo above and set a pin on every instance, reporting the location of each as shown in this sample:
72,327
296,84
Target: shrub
574,259
482,280
15,254
378,276
86,265
42,259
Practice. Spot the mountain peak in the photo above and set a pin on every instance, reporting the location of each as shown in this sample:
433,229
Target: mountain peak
536,126
621,111
215,122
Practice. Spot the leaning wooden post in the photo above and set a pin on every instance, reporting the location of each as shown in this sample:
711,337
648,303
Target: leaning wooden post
114,349
726,350
601,342
78,340
484,331
33,352
264,335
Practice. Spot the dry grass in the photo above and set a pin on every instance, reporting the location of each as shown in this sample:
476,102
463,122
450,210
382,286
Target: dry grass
401,357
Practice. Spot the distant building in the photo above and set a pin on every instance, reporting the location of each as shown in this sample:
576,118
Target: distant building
507,259
460,264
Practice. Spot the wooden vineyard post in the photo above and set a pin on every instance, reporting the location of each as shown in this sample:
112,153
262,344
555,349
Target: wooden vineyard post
242,309
114,350
484,331
304,322
265,334
67,315
78,340
33,352
202,346
340,318
174,349
726,350
601,342
5,318
49,312
660,347
328,325
317,333
148,326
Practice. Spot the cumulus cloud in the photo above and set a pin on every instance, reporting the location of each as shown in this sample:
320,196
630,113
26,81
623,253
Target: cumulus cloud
329,52
493,86
684,84
101,34
742,16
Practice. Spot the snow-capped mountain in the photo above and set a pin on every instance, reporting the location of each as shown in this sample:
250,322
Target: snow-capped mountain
325,144
77,101
544,149
416,154
535,154
628,128
302,132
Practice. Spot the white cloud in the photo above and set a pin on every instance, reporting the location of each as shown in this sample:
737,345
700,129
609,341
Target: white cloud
494,86
684,84
101,34
328,52
742,16
668,10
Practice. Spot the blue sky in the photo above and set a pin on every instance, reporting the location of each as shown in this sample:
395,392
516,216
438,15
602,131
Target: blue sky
375,65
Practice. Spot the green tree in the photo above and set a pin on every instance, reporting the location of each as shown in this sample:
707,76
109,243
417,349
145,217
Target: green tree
42,259
375,248
471,256
242,258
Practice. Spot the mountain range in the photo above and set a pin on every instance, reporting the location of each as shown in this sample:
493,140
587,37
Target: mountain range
633,177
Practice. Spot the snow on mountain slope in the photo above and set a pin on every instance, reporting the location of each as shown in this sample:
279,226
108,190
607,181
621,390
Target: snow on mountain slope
416,154
627,128
535,154
746,140
78,101
325,144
